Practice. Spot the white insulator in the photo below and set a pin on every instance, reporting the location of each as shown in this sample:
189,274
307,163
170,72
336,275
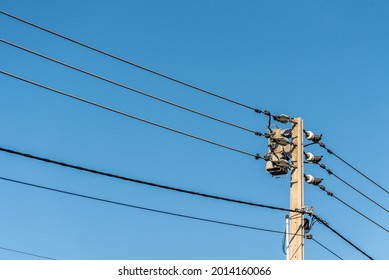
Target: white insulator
310,135
310,157
310,179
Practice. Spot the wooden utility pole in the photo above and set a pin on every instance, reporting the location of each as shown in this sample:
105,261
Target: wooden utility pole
296,246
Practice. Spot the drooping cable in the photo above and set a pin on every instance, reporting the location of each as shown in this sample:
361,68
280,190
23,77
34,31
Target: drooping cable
139,207
124,178
25,253
332,252
129,62
129,88
256,156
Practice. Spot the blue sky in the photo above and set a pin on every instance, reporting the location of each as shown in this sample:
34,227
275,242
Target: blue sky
325,61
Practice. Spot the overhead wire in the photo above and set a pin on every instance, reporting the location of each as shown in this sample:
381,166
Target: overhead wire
330,172
128,179
301,211
25,253
326,248
129,62
166,187
138,207
145,209
128,87
256,156
360,213
321,144
326,224
331,194
178,81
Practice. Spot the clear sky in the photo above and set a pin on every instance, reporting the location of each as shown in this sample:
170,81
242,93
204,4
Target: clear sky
325,61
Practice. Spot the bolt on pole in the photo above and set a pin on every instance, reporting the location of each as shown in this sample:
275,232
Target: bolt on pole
296,246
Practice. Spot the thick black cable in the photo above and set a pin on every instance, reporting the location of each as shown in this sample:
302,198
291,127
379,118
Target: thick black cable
321,144
330,172
140,207
129,62
124,178
129,88
25,253
324,223
128,115
332,252
349,206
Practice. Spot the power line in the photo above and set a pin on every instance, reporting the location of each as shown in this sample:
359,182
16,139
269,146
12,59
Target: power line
124,178
355,210
130,62
336,255
324,223
321,144
330,172
25,253
181,215
128,87
349,206
140,207
256,156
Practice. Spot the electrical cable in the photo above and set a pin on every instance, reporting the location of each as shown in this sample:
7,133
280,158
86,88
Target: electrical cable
25,253
321,144
349,206
324,223
183,83
140,207
330,172
284,241
129,88
336,255
120,177
256,156
129,62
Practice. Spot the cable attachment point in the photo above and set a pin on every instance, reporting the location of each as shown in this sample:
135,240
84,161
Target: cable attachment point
313,137
308,236
329,151
321,144
257,156
312,180
320,220
312,158
322,165
329,171
258,111
267,113
282,118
